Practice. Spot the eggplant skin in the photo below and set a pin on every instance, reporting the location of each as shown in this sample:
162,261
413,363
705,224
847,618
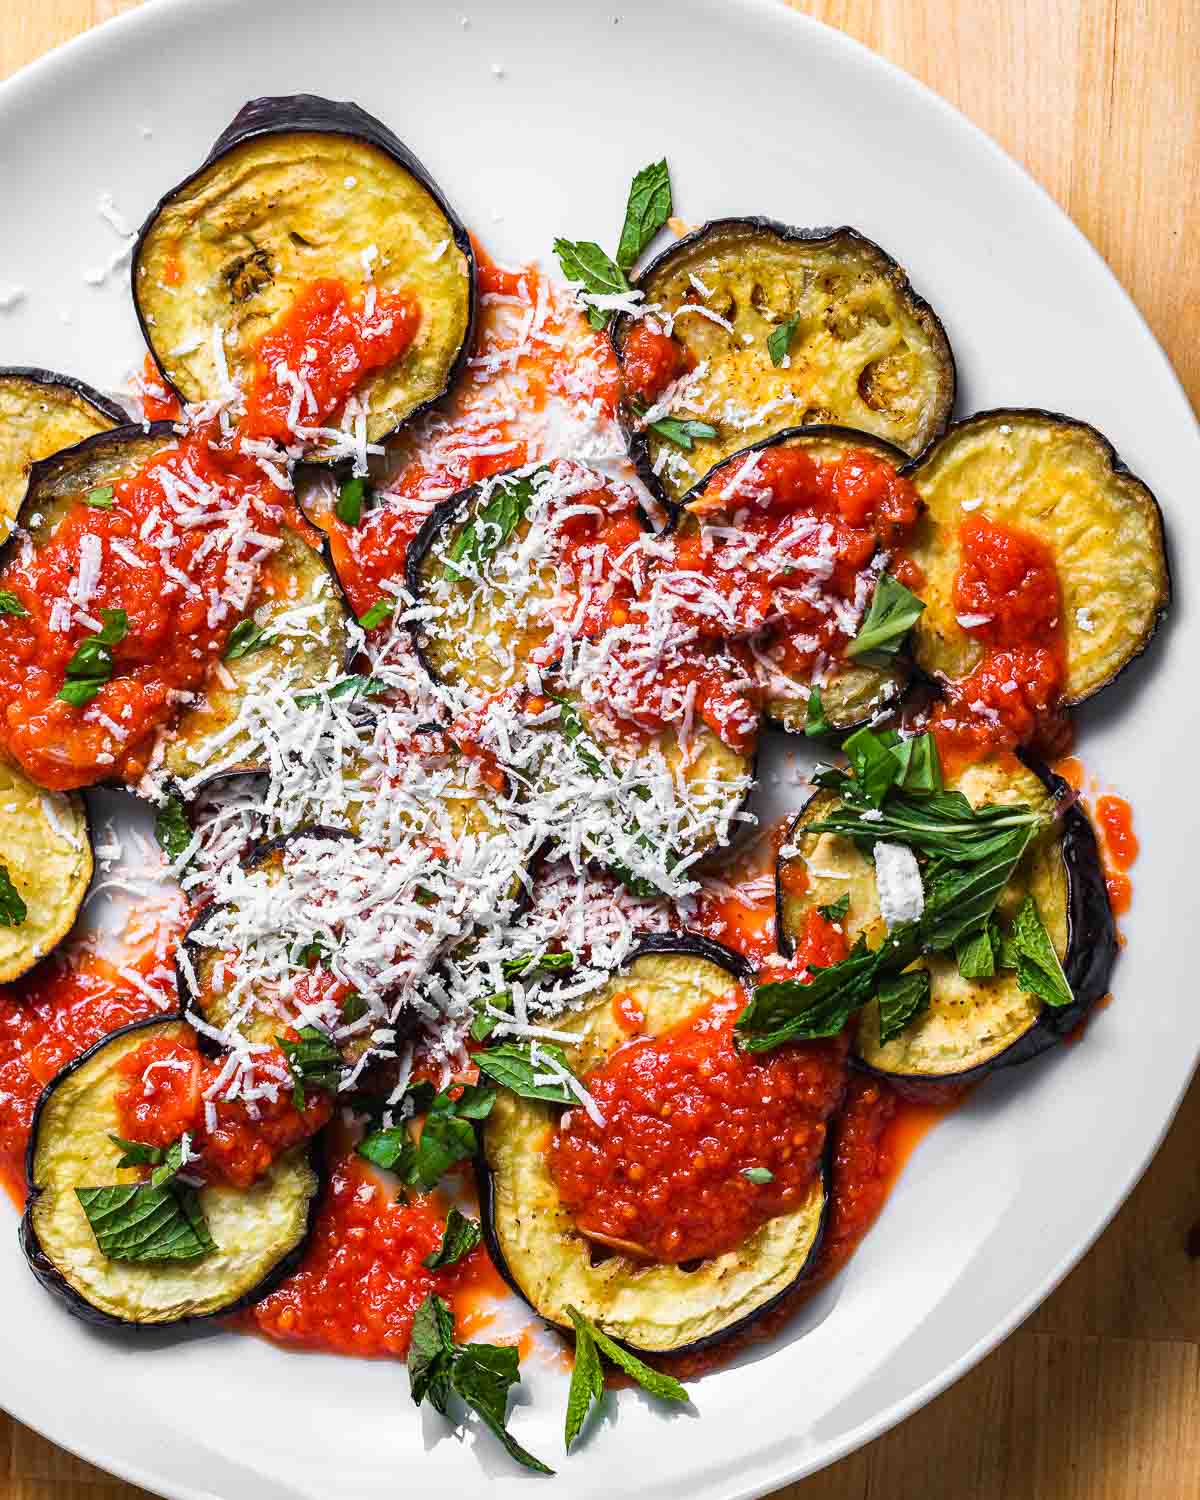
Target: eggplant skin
1061,479
249,275
651,1309
1064,870
298,574
853,693
71,1125
868,351
40,414
46,847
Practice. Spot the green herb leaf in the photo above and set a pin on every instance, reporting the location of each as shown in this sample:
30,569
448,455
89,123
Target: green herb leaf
460,1238
388,1147
780,341
172,1161
665,1387
100,498
682,431
13,910
941,825
379,612
311,953
875,768
352,687
815,722
551,963
145,1221
837,910
447,1138
976,955
760,1176
960,900
507,506
171,827
587,1382
92,664
511,1065
902,998
790,1010
894,611
431,1353
314,1062
137,1153
920,765
10,604
484,1024
648,209
349,505
1039,971
245,637
352,1008
584,261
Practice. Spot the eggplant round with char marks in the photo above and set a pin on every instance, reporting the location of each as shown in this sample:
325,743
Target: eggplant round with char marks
852,692
1061,481
655,1308
304,640
46,851
40,414
297,190
865,349
970,1026
258,1232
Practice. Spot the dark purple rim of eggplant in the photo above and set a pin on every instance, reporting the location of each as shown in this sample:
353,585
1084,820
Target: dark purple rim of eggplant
1091,940
37,376
1119,468
686,944
48,1274
635,436
310,114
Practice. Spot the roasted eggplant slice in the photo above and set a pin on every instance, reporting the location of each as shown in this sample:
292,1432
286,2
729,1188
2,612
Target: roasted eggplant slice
865,350
305,619
1060,480
851,692
46,851
41,413
971,1025
533,1240
300,190
259,1232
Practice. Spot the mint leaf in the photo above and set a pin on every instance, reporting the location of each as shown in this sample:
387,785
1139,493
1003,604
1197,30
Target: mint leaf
551,963
894,611
379,612
648,209
171,827
512,1066
172,1161
1039,971
901,999
958,901
447,1138
349,505
780,341
837,910
760,1176
314,1062
665,1387
353,687
484,1024
976,955
431,1353
10,604
920,765
682,431
100,498
146,1221
491,527
788,1010
92,664
352,1007
13,910
587,1382
137,1153
245,637
583,261
875,768
815,722
460,1237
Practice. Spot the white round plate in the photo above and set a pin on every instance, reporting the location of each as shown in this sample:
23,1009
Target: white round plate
759,111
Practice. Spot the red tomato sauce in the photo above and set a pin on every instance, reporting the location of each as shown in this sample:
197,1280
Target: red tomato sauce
178,622
362,1278
1006,590
650,361
1115,817
51,1016
330,341
165,1097
159,402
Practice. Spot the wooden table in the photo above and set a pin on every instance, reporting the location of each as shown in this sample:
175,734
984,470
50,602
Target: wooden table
1097,1396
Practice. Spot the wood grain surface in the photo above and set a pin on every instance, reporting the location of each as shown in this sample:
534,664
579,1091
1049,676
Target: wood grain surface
1097,1396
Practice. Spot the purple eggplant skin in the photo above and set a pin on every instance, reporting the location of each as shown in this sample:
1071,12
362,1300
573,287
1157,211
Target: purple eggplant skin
1091,944
310,114
53,1281
635,435
38,376
690,944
